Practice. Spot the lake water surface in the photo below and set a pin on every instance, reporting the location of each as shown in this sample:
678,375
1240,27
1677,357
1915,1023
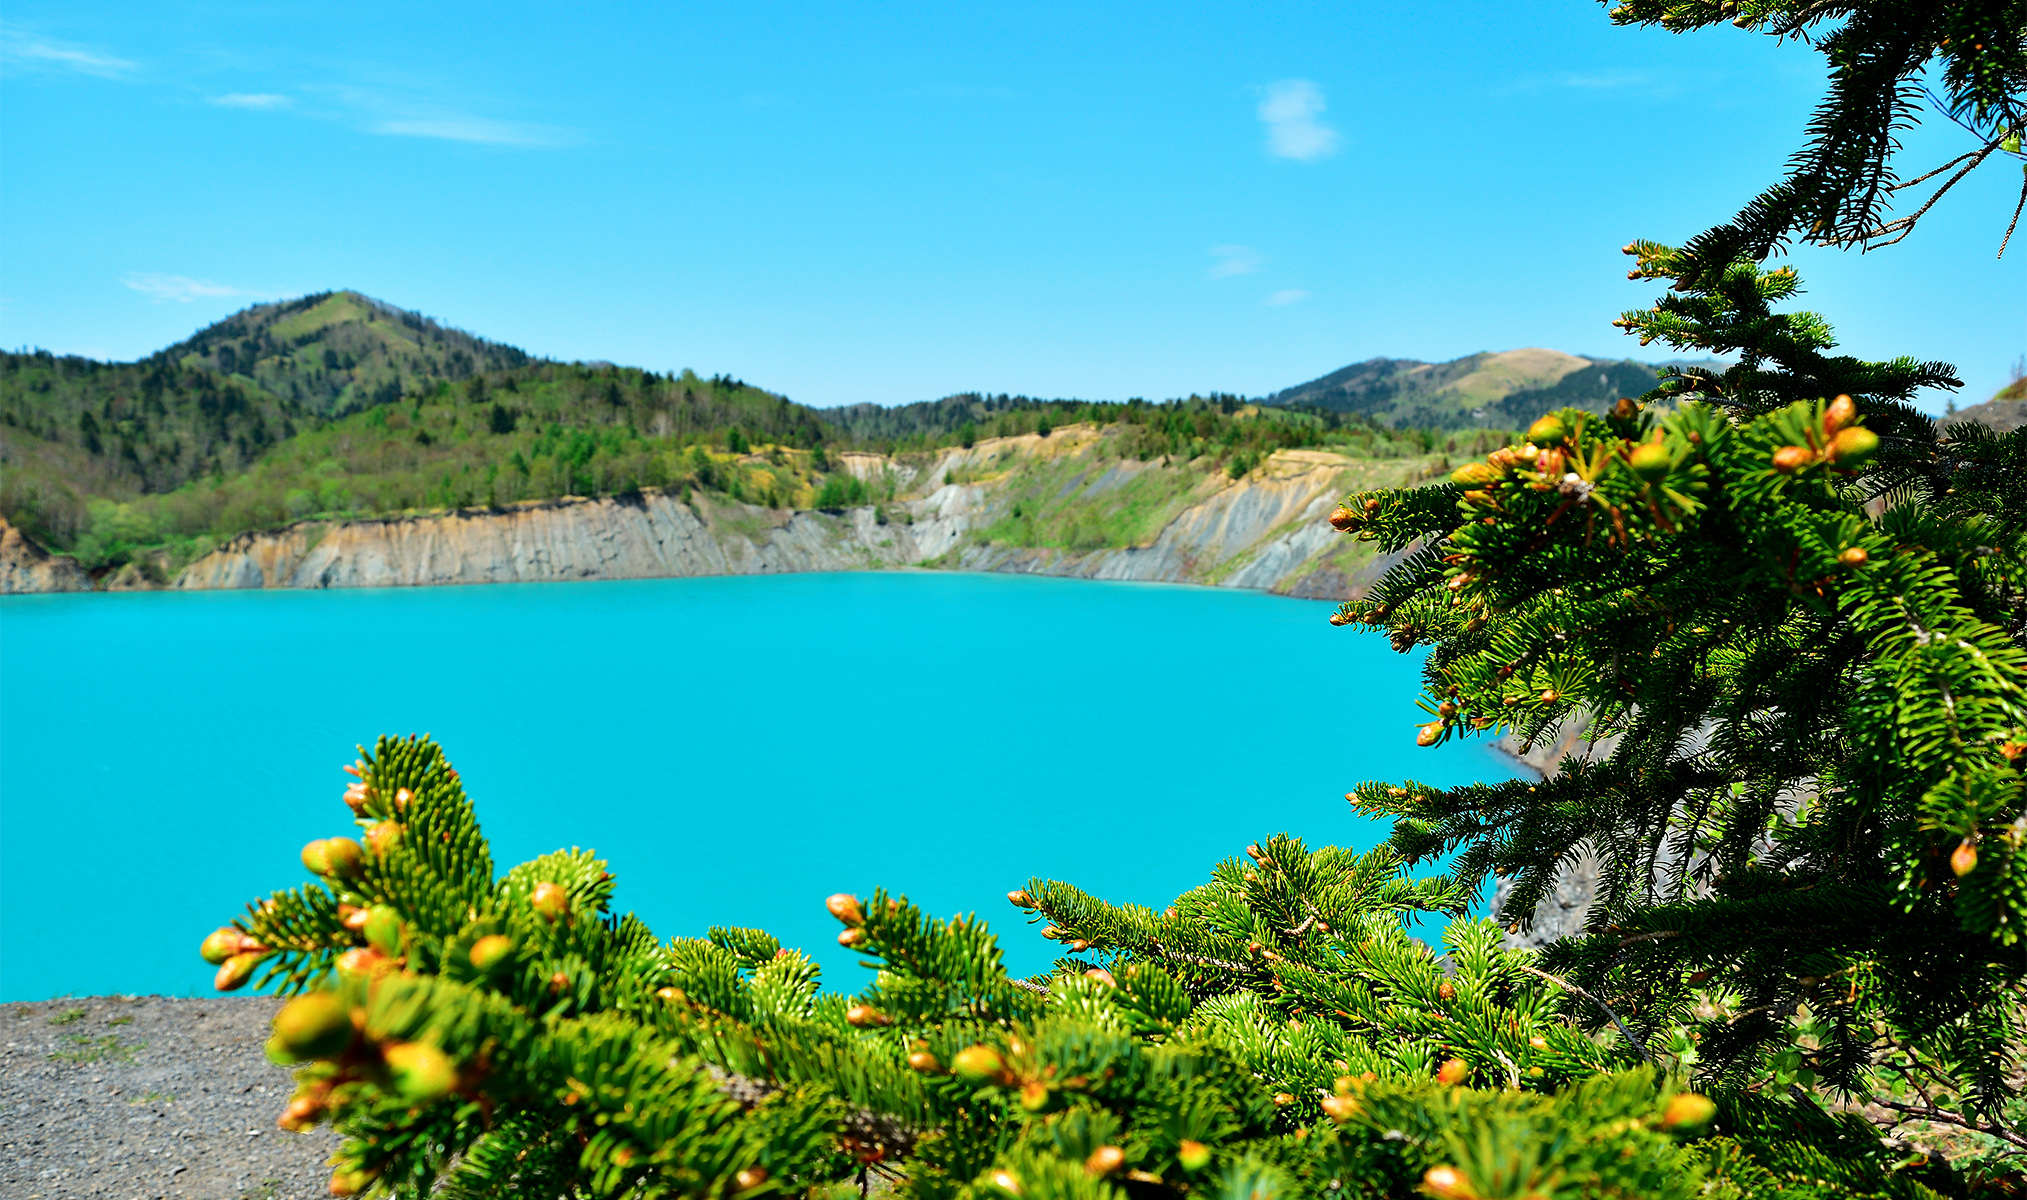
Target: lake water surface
738,748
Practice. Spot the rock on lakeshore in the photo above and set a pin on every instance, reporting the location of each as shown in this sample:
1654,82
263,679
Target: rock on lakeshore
27,567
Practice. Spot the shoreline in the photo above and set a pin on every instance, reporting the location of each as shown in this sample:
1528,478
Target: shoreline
1264,532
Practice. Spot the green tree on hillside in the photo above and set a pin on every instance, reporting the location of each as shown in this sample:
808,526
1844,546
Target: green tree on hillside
1789,609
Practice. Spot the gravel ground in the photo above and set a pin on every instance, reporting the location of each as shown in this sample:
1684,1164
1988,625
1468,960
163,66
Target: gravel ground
147,1097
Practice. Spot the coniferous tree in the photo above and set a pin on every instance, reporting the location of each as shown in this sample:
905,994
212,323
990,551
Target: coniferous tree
1274,1033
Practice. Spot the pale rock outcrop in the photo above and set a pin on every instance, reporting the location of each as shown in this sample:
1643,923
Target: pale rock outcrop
27,567
1265,530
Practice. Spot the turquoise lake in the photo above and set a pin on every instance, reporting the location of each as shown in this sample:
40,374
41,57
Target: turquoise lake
737,748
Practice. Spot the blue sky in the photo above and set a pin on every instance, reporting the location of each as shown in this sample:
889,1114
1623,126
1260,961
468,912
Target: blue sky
891,203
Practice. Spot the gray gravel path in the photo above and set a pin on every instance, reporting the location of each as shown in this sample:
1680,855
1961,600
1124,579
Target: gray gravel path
149,1098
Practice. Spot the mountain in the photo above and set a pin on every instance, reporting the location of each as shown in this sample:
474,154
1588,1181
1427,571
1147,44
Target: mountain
321,375
338,352
1506,390
338,407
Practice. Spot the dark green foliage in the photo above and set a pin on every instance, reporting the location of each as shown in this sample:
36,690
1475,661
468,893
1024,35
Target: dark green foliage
1809,690
337,352
1276,1033
1842,183
72,428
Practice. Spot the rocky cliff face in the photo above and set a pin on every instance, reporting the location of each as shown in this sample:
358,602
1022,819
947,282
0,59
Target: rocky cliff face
1265,530
27,567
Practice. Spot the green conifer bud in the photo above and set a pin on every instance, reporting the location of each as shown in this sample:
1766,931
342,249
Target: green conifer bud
383,837
1687,1109
550,901
1854,447
1842,412
845,907
422,1073
1548,431
313,1025
491,951
237,970
352,1182
1447,1183
977,1064
383,929
223,943
343,858
1650,460
360,962
1194,1156
313,858
302,1113
1790,459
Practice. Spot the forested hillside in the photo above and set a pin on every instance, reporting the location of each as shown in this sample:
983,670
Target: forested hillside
71,428
340,406
338,352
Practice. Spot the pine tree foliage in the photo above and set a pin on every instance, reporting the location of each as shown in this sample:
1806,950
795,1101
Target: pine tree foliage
1274,1033
1880,54
1794,629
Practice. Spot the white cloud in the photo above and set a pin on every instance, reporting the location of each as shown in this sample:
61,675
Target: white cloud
1234,260
180,288
253,100
471,129
1286,297
1608,80
20,48
1290,113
